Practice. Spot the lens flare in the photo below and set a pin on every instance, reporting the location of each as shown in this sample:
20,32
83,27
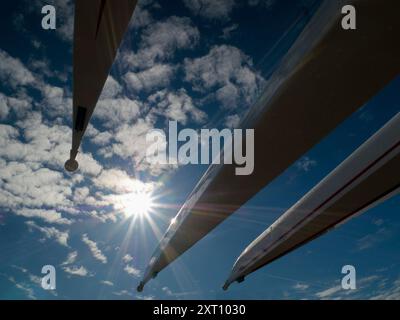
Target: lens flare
138,204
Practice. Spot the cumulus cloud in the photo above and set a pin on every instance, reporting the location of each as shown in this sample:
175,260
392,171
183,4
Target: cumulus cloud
120,182
13,71
50,233
211,9
114,112
127,258
31,170
177,106
141,17
232,121
96,252
160,40
131,140
4,108
227,72
50,216
45,144
18,105
102,138
159,75
43,69
22,186
111,88
33,150
132,271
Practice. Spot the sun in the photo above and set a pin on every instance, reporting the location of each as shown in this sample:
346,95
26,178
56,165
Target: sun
138,204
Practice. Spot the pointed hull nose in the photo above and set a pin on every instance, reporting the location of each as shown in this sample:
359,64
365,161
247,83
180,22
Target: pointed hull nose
140,287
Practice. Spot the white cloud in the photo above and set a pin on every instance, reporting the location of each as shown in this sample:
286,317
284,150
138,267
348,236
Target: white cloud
71,258
107,283
167,291
50,216
123,293
131,140
160,40
50,233
364,289
25,184
77,271
120,182
96,252
228,72
114,112
22,186
132,271
391,292
130,144
33,182
4,108
45,145
22,269
127,258
211,9
148,297
88,165
13,72
43,68
35,279
141,17
329,292
159,75
26,289
232,121
173,33
19,105
102,138
80,194
111,88
176,106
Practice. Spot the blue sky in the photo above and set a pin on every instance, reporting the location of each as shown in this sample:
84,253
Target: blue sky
202,63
